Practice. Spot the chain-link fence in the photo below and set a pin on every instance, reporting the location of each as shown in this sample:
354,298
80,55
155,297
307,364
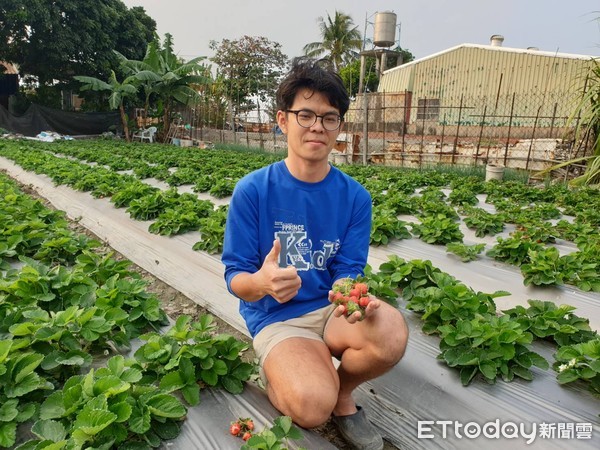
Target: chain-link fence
531,132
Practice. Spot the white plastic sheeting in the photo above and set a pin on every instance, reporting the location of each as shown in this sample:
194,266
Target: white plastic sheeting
420,388
207,425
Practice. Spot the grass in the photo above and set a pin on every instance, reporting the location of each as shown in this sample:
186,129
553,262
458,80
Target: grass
518,175
244,148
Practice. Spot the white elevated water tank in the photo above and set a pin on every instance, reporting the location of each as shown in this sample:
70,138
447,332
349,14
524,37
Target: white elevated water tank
385,29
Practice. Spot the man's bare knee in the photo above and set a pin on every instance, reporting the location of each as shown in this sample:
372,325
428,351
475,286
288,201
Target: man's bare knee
308,408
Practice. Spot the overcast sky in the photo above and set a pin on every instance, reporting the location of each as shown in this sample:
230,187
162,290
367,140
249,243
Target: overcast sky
424,27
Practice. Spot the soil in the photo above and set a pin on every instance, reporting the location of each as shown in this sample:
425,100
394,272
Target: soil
175,304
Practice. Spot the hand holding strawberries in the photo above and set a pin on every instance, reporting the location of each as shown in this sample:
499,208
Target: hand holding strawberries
352,299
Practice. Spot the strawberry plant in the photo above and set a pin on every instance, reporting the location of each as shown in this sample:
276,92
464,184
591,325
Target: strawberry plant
542,267
579,362
548,321
101,267
158,171
380,286
64,247
173,221
212,231
470,183
385,226
514,249
149,206
581,268
203,183
572,231
537,231
106,188
432,193
400,202
438,229
8,250
132,191
108,407
547,267
437,208
409,276
490,345
21,387
449,301
216,358
223,187
90,180
462,196
589,216
276,437
483,222
465,252
183,175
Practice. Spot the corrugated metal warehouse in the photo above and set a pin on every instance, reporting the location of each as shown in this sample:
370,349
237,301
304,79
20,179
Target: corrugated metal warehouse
520,82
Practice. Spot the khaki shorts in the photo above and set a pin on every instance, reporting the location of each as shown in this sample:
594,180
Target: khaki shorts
310,326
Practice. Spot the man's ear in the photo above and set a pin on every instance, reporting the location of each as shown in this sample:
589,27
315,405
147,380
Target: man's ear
282,121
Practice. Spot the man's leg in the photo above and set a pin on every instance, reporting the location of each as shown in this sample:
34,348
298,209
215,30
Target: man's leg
367,350
302,381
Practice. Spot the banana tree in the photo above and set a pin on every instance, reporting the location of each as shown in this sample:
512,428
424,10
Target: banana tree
119,91
173,78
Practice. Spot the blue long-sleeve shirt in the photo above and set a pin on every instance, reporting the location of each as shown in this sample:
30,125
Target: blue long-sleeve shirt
324,230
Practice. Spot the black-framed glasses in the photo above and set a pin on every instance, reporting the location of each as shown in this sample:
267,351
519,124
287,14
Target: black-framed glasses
307,118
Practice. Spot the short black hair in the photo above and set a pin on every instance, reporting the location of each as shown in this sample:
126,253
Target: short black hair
317,75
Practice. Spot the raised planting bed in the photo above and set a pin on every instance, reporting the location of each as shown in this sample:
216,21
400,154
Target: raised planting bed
422,387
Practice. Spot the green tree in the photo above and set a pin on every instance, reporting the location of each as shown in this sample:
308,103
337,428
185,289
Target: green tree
351,72
251,68
213,102
341,40
351,76
51,41
405,56
118,92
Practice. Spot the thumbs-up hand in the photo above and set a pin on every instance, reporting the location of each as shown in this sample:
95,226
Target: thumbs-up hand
281,283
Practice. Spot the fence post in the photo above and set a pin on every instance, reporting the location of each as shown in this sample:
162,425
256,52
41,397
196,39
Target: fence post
460,108
422,134
480,134
365,130
202,121
384,122
532,137
442,138
553,118
404,125
512,107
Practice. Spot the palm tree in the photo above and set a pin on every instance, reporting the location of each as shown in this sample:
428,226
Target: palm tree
341,40
119,91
